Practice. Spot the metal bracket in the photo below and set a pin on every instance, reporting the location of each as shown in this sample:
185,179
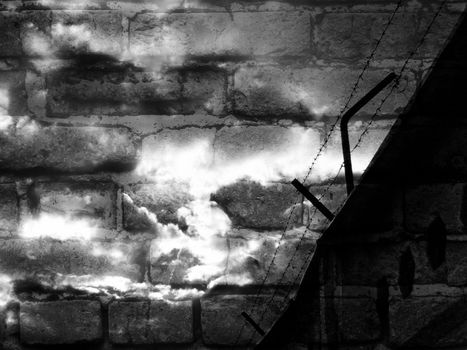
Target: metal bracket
315,201
345,130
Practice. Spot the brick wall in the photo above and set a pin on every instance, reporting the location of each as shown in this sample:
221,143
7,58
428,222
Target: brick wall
146,153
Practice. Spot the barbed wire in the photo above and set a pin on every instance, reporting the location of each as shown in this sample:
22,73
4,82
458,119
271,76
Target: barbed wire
320,151
358,143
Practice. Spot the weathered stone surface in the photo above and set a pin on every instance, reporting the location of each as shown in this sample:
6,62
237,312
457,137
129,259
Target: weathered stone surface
244,257
358,319
425,202
222,322
36,90
172,267
180,156
137,219
95,202
151,322
11,320
79,91
424,273
67,149
367,264
8,210
87,32
113,92
8,64
26,258
62,322
35,33
161,200
200,34
291,256
251,205
308,91
456,258
204,91
353,35
427,321
10,41
12,94
265,153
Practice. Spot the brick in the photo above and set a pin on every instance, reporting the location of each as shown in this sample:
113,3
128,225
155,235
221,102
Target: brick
163,201
62,322
358,319
92,201
87,32
204,91
265,153
173,267
221,319
8,64
202,34
427,321
119,92
244,259
10,41
424,273
291,257
151,322
8,210
35,33
308,91
353,35
172,155
367,264
13,100
67,149
251,205
78,91
456,260
424,202
137,219
37,94
11,321
25,258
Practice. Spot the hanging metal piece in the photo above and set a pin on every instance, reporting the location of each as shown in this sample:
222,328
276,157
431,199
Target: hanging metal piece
315,201
253,323
345,130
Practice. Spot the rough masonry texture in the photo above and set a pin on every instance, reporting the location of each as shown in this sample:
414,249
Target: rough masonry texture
146,155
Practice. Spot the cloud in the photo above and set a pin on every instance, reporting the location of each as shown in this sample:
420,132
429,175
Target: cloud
56,226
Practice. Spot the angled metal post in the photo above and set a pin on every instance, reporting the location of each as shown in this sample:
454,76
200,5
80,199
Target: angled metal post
345,130
315,201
